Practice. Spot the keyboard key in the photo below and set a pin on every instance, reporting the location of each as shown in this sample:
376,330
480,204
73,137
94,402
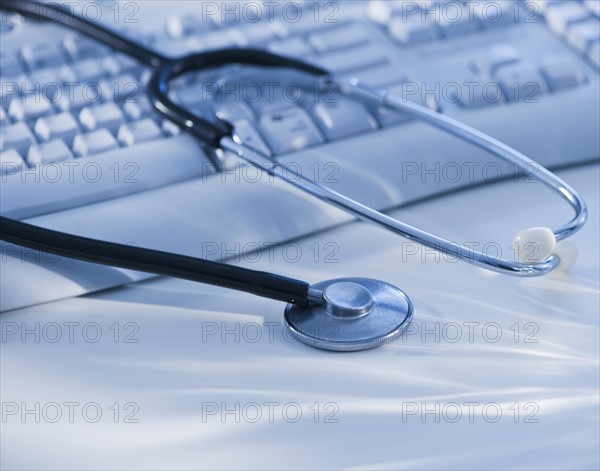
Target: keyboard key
232,110
47,83
106,115
179,47
229,38
29,107
289,129
343,118
169,128
43,54
521,82
262,98
540,6
120,64
73,97
11,162
94,142
475,94
187,25
81,47
379,76
260,34
353,60
146,36
584,35
561,17
43,77
340,38
120,89
144,78
138,109
307,24
294,46
488,61
561,72
139,131
13,87
491,14
84,71
381,11
52,151
60,126
9,65
411,29
16,136
250,136
453,20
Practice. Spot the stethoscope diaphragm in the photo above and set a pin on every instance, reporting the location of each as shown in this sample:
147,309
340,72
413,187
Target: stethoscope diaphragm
356,314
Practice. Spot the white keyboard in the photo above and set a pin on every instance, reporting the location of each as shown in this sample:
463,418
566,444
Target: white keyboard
82,151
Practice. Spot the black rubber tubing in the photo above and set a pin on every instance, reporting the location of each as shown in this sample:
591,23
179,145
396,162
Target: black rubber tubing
260,283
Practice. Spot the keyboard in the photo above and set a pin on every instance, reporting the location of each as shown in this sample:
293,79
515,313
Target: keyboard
81,150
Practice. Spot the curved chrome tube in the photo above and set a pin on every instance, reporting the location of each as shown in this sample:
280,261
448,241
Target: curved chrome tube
379,97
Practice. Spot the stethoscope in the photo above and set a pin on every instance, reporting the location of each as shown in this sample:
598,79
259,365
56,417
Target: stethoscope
343,314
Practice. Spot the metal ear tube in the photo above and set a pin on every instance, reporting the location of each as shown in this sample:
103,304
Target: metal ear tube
356,313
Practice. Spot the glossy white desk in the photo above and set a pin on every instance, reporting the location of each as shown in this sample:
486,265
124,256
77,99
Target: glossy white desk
213,382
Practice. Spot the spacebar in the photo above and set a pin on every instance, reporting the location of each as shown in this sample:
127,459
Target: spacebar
65,185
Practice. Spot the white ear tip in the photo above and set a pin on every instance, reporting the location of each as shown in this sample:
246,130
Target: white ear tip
567,252
534,244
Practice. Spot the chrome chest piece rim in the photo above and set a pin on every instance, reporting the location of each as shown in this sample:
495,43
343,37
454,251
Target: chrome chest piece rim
355,314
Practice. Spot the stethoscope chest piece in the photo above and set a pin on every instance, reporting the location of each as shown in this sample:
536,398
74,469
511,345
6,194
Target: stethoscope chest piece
356,314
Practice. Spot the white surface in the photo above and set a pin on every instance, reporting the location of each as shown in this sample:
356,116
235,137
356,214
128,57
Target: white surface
172,371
